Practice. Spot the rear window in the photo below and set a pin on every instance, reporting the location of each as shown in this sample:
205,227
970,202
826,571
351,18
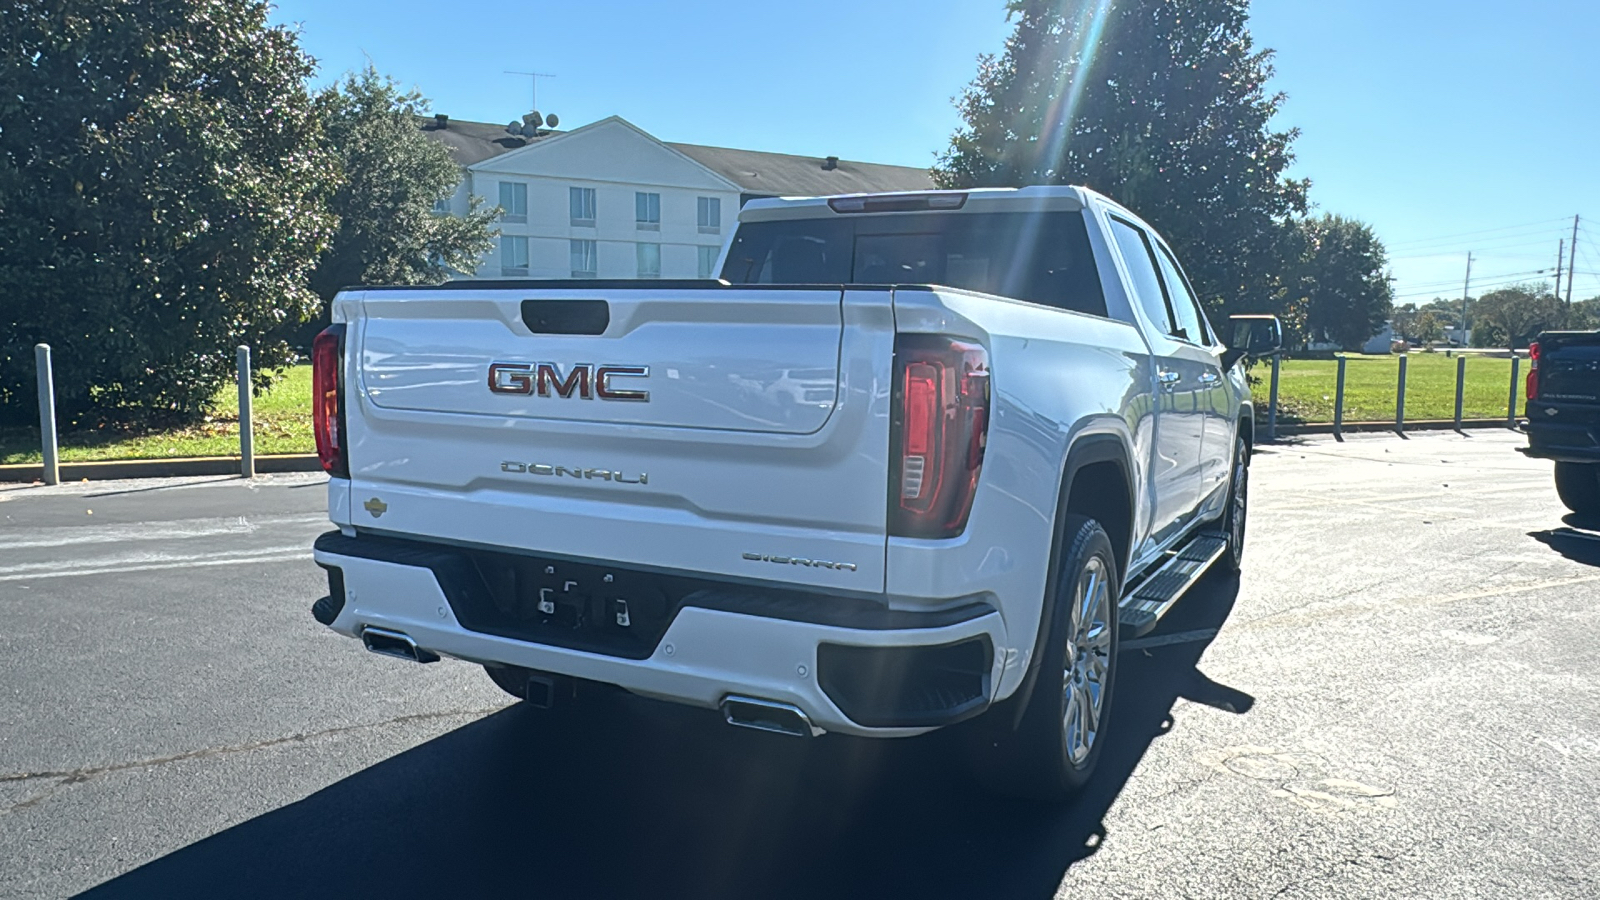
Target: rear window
1038,257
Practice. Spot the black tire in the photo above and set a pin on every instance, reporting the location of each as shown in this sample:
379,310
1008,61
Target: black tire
1235,519
1579,487
1039,760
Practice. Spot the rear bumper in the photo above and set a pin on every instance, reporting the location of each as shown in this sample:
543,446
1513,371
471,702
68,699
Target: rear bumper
851,666
1564,433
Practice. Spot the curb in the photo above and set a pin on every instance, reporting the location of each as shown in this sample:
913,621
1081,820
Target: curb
1417,425
100,470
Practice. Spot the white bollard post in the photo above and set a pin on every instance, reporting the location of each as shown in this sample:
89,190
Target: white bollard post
247,437
47,414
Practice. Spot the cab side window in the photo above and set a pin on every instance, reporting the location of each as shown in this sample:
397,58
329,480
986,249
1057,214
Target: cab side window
1141,262
1191,318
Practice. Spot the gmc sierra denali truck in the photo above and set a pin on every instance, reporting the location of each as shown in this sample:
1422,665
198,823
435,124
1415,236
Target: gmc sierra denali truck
1563,413
914,459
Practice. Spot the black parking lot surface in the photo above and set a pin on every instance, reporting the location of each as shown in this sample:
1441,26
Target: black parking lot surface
1400,696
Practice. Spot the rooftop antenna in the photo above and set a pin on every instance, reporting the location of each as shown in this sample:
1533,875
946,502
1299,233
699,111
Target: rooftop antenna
533,85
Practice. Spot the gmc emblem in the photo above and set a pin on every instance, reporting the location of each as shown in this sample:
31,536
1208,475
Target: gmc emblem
584,381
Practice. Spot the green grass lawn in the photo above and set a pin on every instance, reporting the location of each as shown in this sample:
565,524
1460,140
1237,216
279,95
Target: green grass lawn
282,425
1306,387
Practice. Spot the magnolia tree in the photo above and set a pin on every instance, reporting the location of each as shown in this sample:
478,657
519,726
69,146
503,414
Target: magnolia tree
164,188
169,190
392,177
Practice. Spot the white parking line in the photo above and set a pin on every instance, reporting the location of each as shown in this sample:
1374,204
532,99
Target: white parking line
54,570
64,536
1167,640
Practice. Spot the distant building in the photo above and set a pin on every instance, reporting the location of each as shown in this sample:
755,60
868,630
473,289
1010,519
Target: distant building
1382,342
609,200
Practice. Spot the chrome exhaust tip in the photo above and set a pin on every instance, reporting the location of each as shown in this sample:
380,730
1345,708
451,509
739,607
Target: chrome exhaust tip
398,644
768,715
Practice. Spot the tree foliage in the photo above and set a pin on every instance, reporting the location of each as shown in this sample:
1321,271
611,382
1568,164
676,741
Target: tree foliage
392,177
1584,315
1429,327
1404,321
1161,105
1449,311
1418,325
163,196
1347,289
1511,317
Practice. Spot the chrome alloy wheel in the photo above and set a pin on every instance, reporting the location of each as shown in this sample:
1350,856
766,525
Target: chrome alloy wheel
1088,660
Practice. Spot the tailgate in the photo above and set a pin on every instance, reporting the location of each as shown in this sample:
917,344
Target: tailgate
707,429
747,360
1569,367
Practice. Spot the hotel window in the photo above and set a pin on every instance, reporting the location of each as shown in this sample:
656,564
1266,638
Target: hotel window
647,211
708,261
582,202
709,214
514,201
649,260
585,259
513,255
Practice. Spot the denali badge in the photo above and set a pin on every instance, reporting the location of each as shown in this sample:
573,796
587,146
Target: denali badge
798,561
584,380
517,468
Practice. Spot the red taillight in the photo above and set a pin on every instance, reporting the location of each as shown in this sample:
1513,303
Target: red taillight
327,419
1532,387
940,426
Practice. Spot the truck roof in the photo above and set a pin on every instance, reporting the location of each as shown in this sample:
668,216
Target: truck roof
1035,198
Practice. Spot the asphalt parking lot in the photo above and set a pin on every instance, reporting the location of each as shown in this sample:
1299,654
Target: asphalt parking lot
1399,697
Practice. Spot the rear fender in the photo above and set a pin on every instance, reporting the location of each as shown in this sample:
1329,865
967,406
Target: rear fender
1085,451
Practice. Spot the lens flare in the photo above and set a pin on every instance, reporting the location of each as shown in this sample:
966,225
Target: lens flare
1069,89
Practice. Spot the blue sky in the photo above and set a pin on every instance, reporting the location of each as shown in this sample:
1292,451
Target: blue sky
1449,126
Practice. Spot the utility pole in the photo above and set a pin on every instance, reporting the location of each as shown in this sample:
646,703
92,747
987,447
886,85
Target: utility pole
1573,264
1466,287
533,86
1561,249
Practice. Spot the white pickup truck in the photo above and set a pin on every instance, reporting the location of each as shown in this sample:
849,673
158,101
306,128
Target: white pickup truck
914,459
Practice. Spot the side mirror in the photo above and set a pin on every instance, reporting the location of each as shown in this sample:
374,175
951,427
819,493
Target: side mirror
1254,337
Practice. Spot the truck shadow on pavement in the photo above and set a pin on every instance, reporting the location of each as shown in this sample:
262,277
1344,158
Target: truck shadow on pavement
1579,541
632,798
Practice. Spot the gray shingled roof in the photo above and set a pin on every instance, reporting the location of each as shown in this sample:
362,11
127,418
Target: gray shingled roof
754,171
786,175
474,142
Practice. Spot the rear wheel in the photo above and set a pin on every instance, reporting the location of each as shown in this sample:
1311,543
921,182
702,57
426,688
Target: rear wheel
1238,506
1053,752
1578,484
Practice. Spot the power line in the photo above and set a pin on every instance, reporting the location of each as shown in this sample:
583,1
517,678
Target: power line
1475,247
1451,281
1546,223
1589,260
1481,231
1479,284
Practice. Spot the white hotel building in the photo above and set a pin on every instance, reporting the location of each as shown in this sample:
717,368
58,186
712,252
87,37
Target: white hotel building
609,201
